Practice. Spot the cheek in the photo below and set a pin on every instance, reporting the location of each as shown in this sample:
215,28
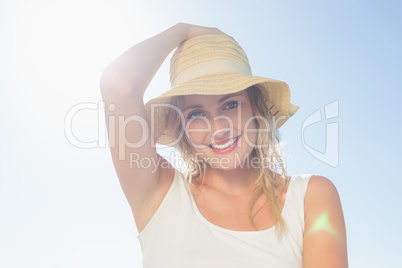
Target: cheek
252,133
249,129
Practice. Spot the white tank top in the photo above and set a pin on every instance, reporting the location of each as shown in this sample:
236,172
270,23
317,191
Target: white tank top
178,236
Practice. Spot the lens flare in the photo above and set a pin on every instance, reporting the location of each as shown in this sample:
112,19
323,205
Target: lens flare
322,224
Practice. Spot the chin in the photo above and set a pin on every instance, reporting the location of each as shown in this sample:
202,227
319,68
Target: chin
232,161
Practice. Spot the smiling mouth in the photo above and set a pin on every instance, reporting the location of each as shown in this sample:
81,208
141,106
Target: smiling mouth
225,145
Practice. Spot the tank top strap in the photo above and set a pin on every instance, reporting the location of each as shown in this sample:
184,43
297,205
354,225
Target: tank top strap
294,214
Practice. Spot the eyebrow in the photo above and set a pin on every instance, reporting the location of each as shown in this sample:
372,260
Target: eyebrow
197,106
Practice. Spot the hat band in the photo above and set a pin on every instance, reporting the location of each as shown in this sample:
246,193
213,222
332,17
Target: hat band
209,67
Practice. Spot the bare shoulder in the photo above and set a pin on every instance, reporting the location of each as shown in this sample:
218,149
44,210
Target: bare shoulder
321,201
320,188
151,204
324,243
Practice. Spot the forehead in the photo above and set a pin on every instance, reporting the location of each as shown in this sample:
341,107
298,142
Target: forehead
200,99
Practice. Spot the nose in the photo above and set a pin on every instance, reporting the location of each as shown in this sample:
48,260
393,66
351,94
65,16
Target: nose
221,129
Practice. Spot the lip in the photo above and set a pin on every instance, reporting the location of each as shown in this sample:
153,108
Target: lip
222,141
228,149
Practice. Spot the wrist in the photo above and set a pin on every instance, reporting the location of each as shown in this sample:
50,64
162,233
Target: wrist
182,30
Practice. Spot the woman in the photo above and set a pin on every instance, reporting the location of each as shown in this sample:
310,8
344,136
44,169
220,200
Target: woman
233,205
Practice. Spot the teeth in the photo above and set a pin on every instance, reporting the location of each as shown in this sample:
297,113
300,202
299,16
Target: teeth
224,146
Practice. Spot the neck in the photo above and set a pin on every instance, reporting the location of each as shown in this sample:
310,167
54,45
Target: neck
233,182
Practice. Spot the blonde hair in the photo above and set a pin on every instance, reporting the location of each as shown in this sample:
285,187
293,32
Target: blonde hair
269,182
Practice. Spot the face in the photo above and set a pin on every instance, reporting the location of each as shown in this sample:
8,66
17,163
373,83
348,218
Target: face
220,128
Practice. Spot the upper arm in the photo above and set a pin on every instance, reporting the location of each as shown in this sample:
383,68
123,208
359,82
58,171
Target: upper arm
324,243
135,159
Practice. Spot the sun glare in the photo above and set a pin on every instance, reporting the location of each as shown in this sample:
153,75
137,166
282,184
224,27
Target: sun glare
59,50
62,48
322,224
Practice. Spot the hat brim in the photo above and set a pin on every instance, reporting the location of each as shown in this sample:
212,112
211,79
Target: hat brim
277,93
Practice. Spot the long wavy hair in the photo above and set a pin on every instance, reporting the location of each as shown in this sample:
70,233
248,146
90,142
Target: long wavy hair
272,180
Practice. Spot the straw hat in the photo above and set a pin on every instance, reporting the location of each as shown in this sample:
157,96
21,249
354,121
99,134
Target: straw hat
214,65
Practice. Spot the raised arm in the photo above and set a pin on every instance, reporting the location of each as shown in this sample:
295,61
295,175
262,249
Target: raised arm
123,84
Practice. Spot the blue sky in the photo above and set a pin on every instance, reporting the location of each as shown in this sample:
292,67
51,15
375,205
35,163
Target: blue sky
62,206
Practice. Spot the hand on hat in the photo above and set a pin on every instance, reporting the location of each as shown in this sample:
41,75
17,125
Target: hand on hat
195,30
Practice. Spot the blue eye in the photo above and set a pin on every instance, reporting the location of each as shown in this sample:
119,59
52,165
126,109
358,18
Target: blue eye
232,104
194,115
